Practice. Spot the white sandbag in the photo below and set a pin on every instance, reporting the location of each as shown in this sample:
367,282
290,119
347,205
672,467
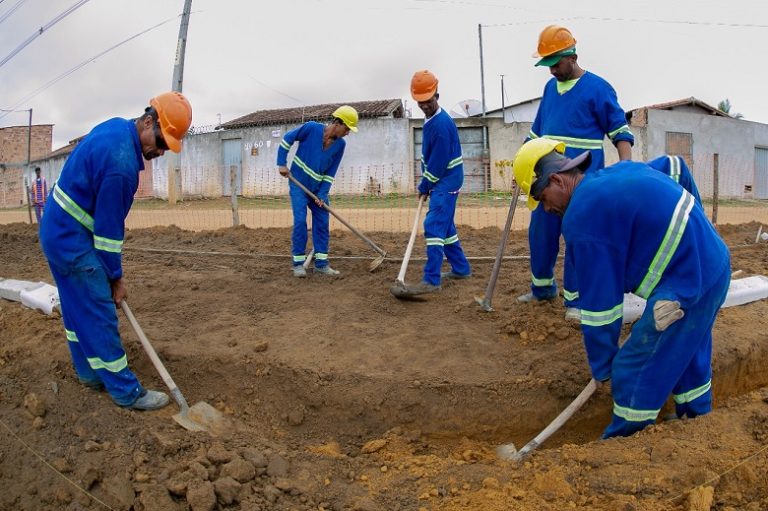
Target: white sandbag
44,297
11,289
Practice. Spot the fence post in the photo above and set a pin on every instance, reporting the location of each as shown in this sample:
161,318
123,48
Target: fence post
172,198
233,194
715,186
29,199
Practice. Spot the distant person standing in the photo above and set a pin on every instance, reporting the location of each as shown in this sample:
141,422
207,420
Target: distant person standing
315,164
82,237
579,109
39,194
442,169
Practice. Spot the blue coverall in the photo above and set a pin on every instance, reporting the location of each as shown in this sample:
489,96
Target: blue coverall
442,171
629,228
315,168
580,115
82,235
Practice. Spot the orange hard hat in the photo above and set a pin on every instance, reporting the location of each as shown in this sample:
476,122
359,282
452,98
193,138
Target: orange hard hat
423,85
174,114
553,39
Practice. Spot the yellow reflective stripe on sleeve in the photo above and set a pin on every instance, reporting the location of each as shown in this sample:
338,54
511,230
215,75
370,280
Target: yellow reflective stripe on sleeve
622,129
329,179
578,143
632,415
687,397
113,367
285,145
107,245
435,242
319,256
429,177
451,240
668,245
71,207
674,168
303,166
532,135
455,162
542,282
600,318
71,336
570,295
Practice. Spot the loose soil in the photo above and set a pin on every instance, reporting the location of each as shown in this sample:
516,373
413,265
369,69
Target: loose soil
340,397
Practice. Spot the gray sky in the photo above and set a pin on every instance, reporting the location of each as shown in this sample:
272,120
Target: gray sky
244,56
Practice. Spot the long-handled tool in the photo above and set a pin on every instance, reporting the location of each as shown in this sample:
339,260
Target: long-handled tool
382,254
508,451
308,260
200,416
485,302
399,289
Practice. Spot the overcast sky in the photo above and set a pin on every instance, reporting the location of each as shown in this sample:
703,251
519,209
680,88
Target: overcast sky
244,56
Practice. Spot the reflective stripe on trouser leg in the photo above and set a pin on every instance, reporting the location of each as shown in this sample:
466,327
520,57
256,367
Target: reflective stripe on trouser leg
79,360
299,203
544,244
439,218
86,299
651,365
454,253
320,234
570,282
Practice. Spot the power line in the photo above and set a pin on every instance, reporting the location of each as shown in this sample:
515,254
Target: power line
88,61
42,29
11,10
632,20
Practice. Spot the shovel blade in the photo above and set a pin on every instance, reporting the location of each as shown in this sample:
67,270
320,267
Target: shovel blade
507,452
376,262
202,417
485,304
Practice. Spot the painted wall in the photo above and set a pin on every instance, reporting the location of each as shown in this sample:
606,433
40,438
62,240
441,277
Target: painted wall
375,158
733,140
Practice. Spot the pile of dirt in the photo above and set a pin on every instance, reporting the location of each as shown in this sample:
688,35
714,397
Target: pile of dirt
342,398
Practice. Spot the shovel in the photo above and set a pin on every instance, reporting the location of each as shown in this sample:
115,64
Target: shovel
382,254
508,451
485,302
399,289
201,416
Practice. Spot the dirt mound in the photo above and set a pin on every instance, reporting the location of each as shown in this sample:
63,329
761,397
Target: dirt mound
343,398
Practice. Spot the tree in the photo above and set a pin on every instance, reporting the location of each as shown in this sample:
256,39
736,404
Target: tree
725,106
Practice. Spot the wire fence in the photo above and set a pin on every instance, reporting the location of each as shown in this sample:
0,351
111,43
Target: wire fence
380,197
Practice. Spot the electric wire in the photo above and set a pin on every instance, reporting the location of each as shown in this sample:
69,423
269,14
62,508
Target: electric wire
10,11
84,63
42,29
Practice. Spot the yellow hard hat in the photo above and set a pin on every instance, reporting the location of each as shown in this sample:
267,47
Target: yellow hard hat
524,164
348,116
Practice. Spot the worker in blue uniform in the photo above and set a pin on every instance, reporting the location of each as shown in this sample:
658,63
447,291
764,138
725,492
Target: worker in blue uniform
314,165
629,228
579,109
82,234
672,166
442,170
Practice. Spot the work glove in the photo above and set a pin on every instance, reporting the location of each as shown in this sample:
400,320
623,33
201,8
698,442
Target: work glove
666,312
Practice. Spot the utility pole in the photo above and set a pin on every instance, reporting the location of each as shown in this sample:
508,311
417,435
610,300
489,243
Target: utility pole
502,99
482,68
174,160
29,139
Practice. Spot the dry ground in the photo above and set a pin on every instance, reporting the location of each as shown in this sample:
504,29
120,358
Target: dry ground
342,398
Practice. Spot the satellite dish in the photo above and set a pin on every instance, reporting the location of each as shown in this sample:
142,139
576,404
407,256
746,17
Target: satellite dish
467,108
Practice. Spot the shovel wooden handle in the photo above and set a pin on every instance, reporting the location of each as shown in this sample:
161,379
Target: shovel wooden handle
500,252
180,400
411,240
559,420
336,215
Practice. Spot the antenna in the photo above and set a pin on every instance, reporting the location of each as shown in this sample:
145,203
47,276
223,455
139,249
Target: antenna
467,108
